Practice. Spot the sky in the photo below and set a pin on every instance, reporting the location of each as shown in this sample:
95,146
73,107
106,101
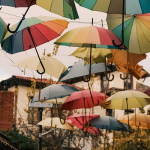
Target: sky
13,15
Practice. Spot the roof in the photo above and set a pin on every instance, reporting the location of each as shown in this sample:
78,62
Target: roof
4,143
26,81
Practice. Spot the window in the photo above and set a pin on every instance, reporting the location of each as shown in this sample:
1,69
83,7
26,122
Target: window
33,115
129,111
103,82
110,112
128,83
148,112
54,110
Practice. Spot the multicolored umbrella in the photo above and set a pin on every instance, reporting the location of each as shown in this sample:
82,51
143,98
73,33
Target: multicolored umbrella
3,29
65,8
127,62
43,29
52,66
115,6
83,99
90,36
18,3
79,120
98,54
136,31
138,119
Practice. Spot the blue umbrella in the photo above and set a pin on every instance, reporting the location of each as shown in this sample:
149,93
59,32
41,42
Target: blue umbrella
109,123
53,91
80,70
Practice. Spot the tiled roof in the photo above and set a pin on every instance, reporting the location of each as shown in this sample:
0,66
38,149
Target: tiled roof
44,80
6,144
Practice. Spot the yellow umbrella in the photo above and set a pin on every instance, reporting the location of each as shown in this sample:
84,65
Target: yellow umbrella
141,120
52,66
98,54
55,123
126,99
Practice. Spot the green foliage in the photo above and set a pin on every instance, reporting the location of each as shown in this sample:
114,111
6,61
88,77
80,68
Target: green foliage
20,141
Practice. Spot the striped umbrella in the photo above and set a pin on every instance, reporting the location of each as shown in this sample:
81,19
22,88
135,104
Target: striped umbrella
17,3
43,29
115,6
3,29
136,31
65,8
90,36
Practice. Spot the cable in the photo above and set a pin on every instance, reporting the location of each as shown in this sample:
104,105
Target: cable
10,14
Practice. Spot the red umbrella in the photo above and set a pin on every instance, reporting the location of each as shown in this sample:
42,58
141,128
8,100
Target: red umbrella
80,121
83,99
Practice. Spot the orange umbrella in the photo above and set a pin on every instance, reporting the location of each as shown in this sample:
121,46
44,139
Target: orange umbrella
127,62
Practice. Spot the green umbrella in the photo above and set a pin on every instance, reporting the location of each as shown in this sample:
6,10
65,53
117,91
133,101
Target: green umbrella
3,29
136,31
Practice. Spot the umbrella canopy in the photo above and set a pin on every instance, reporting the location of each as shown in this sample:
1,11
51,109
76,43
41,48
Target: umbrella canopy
136,31
52,66
109,123
79,120
90,36
98,54
142,120
55,123
65,8
3,29
82,99
17,3
54,91
42,28
80,70
135,99
115,6
125,62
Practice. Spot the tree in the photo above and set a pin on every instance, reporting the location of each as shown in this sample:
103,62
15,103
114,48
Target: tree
20,141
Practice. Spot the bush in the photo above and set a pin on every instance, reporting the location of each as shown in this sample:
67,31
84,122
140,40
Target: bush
20,141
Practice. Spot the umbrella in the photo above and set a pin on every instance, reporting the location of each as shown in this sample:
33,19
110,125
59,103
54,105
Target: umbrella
108,123
138,119
54,123
17,3
127,62
79,120
54,91
80,70
33,32
127,99
115,6
65,8
98,54
52,66
83,99
3,30
136,31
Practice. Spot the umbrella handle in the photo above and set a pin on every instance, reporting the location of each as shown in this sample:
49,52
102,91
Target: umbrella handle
53,145
85,79
109,74
36,52
122,28
124,77
39,97
20,20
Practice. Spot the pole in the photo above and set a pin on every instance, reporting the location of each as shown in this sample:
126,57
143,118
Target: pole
40,129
